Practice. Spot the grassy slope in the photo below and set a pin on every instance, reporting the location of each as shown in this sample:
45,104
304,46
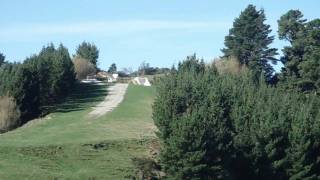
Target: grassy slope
68,145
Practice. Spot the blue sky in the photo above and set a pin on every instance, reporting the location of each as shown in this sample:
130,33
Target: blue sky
128,32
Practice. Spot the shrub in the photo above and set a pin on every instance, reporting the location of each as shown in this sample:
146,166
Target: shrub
229,66
83,68
9,113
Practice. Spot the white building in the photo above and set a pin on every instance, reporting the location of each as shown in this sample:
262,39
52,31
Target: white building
143,81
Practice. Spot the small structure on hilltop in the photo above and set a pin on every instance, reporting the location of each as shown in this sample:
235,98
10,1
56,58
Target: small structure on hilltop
143,81
113,78
107,76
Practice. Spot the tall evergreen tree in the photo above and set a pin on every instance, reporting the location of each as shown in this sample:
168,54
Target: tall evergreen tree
39,81
25,88
20,82
290,24
2,58
191,114
63,72
249,41
301,59
88,51
112,68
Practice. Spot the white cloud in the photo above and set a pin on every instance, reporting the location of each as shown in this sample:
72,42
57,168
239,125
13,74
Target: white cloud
102,28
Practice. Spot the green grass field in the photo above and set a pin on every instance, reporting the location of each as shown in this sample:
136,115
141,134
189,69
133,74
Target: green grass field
68,145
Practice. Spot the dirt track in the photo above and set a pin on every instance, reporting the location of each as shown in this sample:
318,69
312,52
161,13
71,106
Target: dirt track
113,99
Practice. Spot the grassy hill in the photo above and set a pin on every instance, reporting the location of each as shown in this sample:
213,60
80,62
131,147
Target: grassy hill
68,145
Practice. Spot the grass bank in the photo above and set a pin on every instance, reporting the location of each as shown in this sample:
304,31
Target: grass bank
67,145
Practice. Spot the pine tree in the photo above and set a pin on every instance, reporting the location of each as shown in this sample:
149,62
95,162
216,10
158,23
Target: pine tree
25,89
39,81
19,82
233,127
63,72
112,68
88,51
193,123
249,41
290,24
305,144
301,60
2,58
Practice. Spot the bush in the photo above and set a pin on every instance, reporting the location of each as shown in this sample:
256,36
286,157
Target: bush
229,66
9,114
83,68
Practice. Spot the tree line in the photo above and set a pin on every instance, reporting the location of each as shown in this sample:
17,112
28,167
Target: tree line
248,123
31,88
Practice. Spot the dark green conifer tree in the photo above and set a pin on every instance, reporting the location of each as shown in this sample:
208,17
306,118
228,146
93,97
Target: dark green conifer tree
88,51
301,59
249,41
112,68
2,58
231,127
193,123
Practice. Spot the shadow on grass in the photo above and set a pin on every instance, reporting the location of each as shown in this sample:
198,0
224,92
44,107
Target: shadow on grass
82,97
